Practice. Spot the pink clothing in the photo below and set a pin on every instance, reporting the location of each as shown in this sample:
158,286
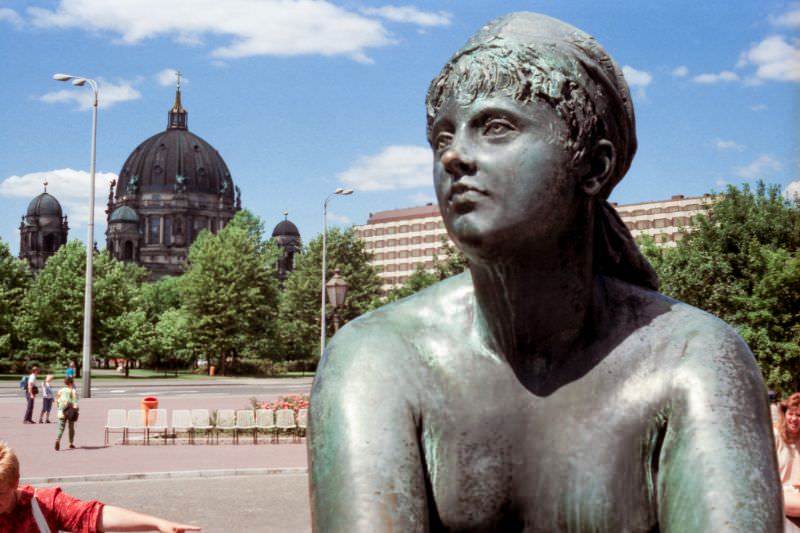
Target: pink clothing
61,511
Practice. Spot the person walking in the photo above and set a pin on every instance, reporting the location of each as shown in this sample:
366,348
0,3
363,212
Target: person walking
66,396
71,370
31,390
47,399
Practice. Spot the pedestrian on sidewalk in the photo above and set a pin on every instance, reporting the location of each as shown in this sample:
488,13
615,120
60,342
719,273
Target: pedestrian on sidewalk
47,398
31,390
25,509
71,370
67,396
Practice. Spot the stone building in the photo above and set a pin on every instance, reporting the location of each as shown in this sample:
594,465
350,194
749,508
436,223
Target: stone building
43,230
171,187
287,237
401,239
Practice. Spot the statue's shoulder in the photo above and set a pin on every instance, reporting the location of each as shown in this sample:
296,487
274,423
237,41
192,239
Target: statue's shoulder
391,331
682,335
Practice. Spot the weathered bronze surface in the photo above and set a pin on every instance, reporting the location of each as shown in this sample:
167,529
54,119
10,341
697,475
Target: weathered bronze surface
550,388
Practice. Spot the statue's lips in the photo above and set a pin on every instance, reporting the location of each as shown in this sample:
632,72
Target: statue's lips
463,197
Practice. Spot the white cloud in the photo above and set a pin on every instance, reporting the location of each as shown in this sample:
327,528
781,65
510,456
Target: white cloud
759,168
774,58
758,107
69,186
10,16
252,27
108,95
790,19
681,71
792,191
410,14
709,78
421,198
167,78
638,79
723,144
396,167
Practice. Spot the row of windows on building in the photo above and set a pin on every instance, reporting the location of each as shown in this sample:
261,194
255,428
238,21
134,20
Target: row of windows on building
401,267
163,229
403,241
659,223
403,254
660,210
403,228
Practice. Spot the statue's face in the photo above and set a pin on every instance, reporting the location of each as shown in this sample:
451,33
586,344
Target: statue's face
502,175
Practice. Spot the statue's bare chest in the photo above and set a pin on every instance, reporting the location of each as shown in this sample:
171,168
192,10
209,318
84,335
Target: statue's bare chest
513,461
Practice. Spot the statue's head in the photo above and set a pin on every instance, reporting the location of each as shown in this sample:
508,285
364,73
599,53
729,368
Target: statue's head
535,58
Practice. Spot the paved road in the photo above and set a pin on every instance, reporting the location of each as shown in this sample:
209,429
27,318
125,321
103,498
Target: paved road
276,503
165,388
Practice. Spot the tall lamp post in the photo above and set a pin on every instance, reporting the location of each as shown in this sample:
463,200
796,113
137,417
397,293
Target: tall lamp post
339,192
337,290
80,81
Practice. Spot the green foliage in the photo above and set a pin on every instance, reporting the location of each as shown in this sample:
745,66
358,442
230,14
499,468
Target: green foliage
454,261
14,281
417,281
743,264
229,292
299,315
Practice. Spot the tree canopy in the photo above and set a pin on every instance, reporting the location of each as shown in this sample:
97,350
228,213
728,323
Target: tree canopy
742,263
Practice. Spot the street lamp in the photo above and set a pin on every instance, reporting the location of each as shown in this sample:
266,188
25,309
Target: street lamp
80,81
340,192
337,290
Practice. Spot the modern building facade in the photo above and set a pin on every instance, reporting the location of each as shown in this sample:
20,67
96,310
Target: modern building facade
43,230
401,239
171,187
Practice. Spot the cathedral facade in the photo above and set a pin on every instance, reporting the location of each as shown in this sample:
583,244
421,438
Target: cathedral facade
171,187
43,230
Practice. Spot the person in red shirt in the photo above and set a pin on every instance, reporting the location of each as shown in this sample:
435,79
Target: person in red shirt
62,512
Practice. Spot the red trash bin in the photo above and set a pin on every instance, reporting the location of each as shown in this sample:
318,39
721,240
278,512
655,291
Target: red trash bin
147,403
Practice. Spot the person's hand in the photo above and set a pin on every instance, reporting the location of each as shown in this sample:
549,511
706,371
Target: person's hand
171,527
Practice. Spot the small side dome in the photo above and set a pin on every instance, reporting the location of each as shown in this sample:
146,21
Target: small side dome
44,205
285,228
124,214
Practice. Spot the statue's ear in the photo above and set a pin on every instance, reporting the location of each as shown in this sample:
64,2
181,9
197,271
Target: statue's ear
602,161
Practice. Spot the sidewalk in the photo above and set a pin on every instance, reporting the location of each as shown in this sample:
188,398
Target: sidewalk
33,444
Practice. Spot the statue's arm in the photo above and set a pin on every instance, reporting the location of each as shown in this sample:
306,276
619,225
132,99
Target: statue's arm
366,471
717,467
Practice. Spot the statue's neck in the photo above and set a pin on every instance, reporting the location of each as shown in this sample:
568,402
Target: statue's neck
537,311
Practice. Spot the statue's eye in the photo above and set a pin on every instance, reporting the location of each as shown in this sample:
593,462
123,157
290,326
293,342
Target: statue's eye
442,141
498,127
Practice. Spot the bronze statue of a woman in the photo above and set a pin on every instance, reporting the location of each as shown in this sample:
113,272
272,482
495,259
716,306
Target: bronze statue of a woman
550,387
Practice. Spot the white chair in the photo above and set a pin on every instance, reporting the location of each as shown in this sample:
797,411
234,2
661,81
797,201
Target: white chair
157,424
182,422
226,421
135,423
115,421
201,420
265,420
244,422
284,421
302,423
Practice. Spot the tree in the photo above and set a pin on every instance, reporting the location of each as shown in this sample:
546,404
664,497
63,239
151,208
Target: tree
299,315
229,290
454,262
742,263
14,281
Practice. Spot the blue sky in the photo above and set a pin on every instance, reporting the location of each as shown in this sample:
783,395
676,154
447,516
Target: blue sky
301,97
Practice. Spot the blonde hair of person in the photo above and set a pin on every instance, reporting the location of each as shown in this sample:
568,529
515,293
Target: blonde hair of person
9,466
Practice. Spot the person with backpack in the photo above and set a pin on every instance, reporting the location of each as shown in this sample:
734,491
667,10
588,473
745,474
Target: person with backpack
31,390
67,403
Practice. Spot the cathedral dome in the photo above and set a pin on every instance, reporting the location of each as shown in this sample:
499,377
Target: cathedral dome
285,228
44,205
123,214
175,160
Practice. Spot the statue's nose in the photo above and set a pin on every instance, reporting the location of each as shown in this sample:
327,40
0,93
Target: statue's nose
457,163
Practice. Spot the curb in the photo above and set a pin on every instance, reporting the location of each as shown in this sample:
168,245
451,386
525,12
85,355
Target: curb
185,474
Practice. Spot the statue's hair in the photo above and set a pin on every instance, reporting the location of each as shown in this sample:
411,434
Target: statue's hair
526,74
9,466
